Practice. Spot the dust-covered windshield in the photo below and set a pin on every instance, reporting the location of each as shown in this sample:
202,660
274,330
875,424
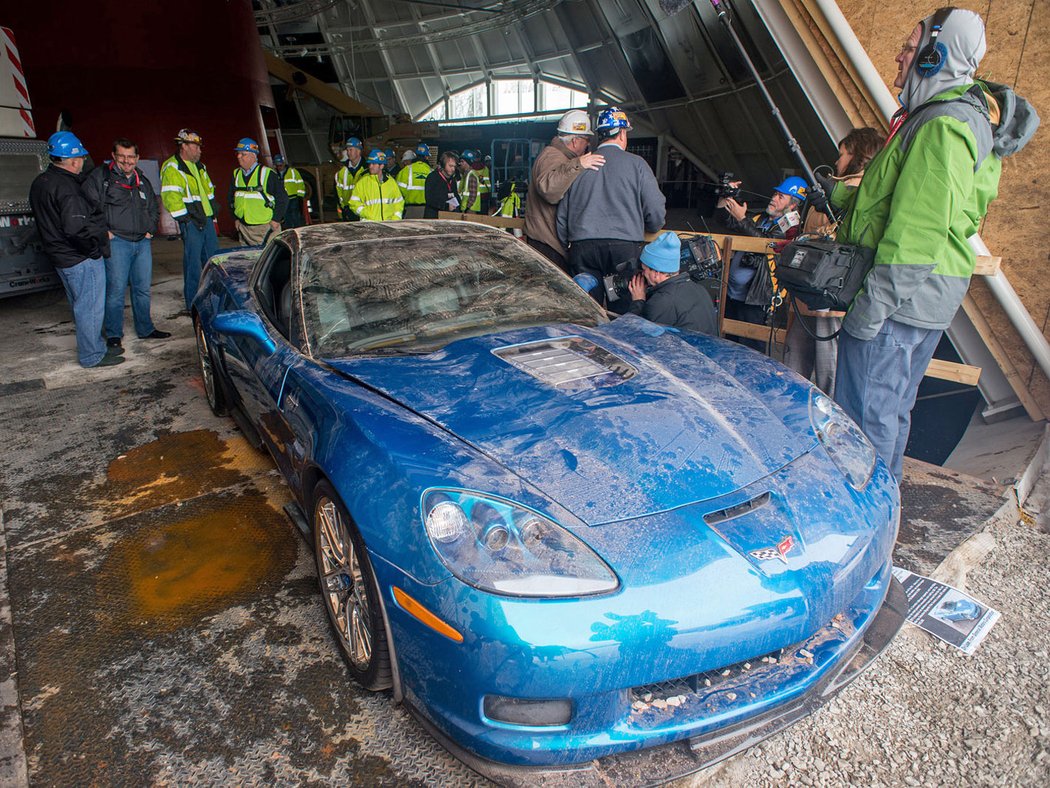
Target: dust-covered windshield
418,294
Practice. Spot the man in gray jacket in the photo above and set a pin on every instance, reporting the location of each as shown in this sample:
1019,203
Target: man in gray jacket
605,214
553,172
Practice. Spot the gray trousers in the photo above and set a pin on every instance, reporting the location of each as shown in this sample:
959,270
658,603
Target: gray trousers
876,382
811,359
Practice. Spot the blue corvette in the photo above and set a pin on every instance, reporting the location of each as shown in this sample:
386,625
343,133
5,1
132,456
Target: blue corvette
561,539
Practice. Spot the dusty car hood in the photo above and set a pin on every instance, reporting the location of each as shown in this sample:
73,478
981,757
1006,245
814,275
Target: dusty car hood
668,426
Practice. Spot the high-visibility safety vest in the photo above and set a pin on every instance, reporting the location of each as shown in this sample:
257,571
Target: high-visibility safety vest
510,206
252,204
464,191
293,183
485,180
184,185
377,202
411,178
345,180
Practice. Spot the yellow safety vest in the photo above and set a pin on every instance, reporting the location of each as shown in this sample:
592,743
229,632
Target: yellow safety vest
377,202
251,202
345,180
182,186
511,204
411,179
464,191
485,178
293,183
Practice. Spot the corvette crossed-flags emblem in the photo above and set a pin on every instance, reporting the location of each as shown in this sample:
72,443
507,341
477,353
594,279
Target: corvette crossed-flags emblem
780,552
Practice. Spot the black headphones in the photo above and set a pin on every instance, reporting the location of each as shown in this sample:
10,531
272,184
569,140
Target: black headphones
931,57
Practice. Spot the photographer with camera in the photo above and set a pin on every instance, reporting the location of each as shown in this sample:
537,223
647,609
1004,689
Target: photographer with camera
749,295
663,293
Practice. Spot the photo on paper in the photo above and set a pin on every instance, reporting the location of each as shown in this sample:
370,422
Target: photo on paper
946,612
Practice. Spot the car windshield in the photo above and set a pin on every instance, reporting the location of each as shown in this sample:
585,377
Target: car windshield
417,294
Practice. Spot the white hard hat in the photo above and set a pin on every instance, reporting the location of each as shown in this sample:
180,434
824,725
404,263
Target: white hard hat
575,121
408,155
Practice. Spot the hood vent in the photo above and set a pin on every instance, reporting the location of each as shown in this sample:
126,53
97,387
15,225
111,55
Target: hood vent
567,362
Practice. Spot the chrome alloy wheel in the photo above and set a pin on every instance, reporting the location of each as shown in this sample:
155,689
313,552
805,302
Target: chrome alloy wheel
207,371
343,585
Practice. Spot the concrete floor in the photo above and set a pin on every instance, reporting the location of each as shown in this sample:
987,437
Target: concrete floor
151,645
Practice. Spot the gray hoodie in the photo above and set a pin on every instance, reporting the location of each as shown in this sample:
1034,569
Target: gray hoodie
962,45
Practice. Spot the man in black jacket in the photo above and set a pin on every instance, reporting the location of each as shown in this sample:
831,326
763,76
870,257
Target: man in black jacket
126,198
440,190
673,298
74,238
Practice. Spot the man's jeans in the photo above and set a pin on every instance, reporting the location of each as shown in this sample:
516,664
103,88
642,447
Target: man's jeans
197,246
128,261
876,382
85,285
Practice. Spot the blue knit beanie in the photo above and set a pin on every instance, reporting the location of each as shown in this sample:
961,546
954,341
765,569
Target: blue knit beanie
664,254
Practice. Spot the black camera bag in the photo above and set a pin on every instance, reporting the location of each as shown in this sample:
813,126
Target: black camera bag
823,274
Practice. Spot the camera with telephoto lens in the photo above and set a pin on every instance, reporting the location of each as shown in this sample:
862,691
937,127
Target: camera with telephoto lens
616,283
725,190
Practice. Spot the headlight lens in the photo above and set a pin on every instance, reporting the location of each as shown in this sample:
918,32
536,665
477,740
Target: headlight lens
504,548
842,439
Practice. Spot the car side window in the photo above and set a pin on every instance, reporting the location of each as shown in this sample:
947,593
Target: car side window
273,288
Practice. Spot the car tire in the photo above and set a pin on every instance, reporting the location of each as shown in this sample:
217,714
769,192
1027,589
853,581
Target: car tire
348,590
209,372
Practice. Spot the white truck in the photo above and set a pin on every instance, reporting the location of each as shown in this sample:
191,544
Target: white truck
23,265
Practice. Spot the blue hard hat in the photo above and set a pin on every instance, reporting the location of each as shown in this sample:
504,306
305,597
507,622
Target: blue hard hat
664,254
376,157
65,145
588,282
793,187
247,145
611,120
423,151
389,153
468,156
352,142
278,158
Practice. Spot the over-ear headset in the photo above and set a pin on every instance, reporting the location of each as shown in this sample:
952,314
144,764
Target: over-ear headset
931,57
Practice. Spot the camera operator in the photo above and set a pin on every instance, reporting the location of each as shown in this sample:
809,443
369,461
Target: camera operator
749,294
673,297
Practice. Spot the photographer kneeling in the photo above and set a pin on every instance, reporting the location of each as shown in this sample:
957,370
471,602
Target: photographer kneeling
673,298
749,294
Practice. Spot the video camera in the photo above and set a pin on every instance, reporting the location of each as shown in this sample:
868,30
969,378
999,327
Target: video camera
724,189
615,284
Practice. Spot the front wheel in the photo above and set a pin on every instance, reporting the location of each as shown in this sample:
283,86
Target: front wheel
348,590
206,361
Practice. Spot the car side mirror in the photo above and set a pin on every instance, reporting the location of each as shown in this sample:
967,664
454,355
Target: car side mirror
244,324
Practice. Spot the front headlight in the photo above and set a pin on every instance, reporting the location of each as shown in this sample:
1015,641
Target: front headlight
842,439
502,547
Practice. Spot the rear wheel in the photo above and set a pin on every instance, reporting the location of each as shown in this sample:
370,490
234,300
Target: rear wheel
348,588
206,362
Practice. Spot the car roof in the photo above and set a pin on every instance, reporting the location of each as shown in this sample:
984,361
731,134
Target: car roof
320,235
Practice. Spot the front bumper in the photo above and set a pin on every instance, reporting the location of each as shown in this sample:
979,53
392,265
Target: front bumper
658,764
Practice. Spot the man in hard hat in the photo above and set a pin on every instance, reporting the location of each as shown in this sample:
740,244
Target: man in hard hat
750,294
376,196
188,194
484,181
126,198
73,235
257,196
469,183
662,294
553,173
921,199
295,188
352,169
605,214
390,167
412,178
442,189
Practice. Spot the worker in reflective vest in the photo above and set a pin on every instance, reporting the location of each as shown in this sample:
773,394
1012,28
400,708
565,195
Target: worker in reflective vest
256,196
376,197
484,181
189,196
347,178
295,188
412,178
469,183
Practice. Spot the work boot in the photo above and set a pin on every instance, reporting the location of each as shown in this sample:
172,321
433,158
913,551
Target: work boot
114,342
157,334
110,360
